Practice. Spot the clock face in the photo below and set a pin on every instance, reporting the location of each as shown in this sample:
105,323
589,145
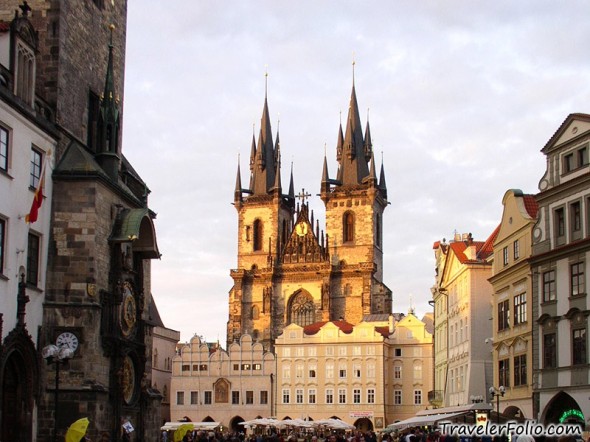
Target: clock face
128,311
301,229
67,339
128,380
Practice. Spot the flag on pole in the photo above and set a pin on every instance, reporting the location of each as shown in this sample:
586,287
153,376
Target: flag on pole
33,214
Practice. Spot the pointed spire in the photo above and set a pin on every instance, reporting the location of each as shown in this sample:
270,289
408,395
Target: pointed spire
238,189
263,178
382,185
291,186
108,149
109,106
340,142
372,173
277,184
368,143
253,153
354,165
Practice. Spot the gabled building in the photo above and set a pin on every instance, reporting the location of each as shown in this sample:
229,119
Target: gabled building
408,367
210,384
333,369
291,271
512,347
560,265
462,290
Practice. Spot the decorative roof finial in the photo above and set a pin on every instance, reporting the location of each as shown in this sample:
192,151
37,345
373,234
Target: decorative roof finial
112,28
265,80
353,63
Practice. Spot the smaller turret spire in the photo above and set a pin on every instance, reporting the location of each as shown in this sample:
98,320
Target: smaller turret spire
291,185
382,185
238,189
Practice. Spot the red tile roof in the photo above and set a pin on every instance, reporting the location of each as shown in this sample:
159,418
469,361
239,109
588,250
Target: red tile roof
482,249
488,247
4,26
384,330
312,329
531,206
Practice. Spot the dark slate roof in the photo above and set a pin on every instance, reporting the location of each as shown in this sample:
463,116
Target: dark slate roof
76,160
154,314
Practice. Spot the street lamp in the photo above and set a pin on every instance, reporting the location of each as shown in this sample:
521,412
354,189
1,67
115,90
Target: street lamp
497,393
476,399
58,355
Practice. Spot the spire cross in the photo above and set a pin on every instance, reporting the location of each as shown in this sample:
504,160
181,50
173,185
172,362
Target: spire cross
353,63
25,8
303,195
265,80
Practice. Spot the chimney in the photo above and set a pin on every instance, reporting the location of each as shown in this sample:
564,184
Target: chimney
391,323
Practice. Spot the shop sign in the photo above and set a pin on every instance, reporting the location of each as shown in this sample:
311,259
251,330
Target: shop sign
359,414
571,413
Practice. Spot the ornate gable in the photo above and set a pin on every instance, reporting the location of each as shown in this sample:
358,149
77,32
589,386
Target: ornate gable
303,245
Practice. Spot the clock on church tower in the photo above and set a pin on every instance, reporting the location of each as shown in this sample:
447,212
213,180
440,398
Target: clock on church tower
128,313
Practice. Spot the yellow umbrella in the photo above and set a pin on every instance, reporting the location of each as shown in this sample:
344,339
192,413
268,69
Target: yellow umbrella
77,430
181,431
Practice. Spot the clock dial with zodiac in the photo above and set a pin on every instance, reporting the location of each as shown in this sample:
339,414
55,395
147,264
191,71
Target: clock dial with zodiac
128,317
128,380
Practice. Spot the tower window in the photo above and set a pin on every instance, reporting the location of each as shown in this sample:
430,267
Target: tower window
348,227
25,74
257,235
255,312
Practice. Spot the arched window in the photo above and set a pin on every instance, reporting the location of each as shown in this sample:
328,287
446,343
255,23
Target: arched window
257,235
255,312
302,311
348,227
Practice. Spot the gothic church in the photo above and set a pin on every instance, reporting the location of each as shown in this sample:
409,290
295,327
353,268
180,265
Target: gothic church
291,271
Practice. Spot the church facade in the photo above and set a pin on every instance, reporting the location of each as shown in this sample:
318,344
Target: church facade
291,271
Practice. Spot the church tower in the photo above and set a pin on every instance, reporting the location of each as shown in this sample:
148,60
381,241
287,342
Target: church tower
290,270
265,219
354,203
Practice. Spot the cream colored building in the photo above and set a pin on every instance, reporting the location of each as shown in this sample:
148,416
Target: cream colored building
409,367
222,386
440,337
334,369
512,348
164,345
463,290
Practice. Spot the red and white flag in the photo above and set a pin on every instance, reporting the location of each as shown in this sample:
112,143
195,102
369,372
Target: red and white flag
33,214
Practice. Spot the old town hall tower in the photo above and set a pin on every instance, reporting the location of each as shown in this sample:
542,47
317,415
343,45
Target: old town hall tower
291,271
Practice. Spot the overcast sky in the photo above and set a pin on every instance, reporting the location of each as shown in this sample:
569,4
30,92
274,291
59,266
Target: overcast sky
461,95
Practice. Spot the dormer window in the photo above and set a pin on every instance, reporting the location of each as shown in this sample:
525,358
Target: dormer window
24,84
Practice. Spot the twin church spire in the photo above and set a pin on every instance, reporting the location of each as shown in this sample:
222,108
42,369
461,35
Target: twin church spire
354,154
